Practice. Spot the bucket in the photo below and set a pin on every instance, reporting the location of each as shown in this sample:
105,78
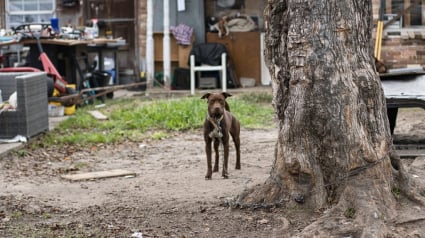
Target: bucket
102,79
69,110
55,109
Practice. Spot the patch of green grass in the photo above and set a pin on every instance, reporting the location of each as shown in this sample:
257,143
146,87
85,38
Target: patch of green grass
257,97
21,153
81,165
129,119
252,115
159,135
396,192
350,212
17,215
46,215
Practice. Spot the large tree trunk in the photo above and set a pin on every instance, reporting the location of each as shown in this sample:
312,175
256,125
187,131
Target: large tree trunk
334,141
328,98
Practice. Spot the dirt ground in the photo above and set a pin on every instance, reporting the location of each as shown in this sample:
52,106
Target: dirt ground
168,197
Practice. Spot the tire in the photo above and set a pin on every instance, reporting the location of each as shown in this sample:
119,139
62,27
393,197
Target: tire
50,87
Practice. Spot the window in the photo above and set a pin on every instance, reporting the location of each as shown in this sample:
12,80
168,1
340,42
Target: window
415,14
20,12
412,17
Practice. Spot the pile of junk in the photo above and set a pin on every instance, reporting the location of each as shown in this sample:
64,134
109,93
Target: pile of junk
93,83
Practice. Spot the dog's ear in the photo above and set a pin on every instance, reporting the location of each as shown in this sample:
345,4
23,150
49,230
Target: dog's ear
226,95
206,96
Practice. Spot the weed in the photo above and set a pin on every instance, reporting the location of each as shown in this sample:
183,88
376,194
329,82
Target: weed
81,165
159,135
17,215
46,215
396,191
350,212
21,153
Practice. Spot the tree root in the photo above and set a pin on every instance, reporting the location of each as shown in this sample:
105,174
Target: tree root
412,220
254,198
365,208
405,184
362,211
334,225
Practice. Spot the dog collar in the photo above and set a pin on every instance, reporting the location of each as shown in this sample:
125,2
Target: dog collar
216,133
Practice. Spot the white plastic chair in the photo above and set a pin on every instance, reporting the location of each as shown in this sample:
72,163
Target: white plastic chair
222,67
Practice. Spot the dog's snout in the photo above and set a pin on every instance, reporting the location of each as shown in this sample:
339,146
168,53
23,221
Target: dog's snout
217,108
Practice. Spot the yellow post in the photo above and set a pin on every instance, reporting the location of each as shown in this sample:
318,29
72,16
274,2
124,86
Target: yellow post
378,40
381,29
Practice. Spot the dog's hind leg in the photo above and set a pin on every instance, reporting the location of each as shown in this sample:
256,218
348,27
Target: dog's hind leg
225,174
217,155
236,140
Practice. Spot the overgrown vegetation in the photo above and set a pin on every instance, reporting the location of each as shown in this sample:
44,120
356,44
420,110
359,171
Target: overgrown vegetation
137,119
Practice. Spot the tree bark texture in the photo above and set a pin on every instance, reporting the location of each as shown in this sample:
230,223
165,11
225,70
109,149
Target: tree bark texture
334,139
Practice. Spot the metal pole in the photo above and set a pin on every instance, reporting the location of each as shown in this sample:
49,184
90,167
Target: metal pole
166,43
223,72
150,61
192,75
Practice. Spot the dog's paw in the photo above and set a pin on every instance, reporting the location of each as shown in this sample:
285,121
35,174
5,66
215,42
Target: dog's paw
225,176
238,167
207,177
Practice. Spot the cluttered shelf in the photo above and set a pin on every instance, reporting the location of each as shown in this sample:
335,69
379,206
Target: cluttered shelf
68,42
65,42
64,53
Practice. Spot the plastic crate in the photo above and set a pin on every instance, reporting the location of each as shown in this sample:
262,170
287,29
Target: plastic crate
31,115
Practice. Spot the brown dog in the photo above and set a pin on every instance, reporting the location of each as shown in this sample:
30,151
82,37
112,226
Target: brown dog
217,127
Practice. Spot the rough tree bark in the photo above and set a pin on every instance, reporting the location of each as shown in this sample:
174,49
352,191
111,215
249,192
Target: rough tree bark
334,143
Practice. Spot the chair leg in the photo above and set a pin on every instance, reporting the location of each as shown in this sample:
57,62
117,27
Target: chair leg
224,73
192,74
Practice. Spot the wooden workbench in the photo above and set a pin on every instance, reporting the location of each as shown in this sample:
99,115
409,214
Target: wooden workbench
66,54
65,42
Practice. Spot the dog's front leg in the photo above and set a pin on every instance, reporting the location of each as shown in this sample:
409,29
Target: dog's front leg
217,155
208,152
226,158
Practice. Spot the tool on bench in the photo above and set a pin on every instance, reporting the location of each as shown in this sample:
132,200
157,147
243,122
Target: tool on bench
36,31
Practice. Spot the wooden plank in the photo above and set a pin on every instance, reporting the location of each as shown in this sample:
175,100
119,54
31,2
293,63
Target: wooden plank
410,153
98,115
98,175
